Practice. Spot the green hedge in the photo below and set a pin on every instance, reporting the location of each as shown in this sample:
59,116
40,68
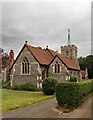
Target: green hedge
49,85
86,87
71,94
27,87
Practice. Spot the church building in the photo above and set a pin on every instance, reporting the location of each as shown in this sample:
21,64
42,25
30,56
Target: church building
34,64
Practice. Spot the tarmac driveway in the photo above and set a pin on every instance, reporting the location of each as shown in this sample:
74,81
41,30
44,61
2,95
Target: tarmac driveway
46,109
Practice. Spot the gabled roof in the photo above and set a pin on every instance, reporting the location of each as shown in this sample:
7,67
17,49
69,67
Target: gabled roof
41,55
69,63
45,57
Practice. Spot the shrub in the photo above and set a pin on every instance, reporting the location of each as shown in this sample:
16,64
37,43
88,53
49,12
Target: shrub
67,94
49,86
15,87
6,84
72,94
73,79
27,87
86,87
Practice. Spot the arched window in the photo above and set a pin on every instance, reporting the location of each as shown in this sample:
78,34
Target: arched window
25,66
57,68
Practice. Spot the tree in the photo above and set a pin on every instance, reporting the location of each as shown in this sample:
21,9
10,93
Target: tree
87,62
82,63
90,70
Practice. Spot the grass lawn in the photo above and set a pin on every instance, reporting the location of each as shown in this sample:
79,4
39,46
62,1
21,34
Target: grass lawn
13,99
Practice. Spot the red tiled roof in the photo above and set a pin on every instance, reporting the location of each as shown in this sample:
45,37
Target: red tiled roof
41,55
44,58
69,63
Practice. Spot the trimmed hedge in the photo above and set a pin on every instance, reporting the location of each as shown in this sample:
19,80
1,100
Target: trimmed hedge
27,87
49,85
68,94
86,87
71,94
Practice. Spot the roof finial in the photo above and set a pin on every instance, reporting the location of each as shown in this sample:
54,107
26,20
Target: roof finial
69,42
26,42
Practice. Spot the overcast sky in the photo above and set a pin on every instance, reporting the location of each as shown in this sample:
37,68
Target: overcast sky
45,22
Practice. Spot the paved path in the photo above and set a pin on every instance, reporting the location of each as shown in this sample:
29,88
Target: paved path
84,111
43,109
46,109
